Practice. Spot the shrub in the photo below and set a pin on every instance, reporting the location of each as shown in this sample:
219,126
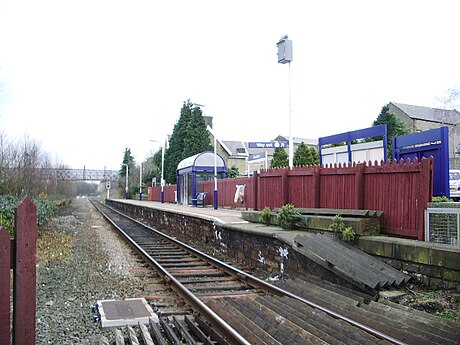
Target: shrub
264,216
288,216
342,232
440,199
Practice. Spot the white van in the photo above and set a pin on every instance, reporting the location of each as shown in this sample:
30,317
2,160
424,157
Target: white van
454,184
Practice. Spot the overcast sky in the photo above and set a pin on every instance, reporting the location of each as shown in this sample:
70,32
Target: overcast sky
89,78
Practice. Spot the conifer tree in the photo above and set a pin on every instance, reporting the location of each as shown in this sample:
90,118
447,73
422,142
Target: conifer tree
189,137
280,158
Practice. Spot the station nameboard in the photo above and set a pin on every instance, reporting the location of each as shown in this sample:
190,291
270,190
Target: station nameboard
257,157
268,144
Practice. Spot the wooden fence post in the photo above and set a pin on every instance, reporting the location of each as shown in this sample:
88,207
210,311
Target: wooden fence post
359,187
256,190
285,186
425,193
316,187
24,283
5,288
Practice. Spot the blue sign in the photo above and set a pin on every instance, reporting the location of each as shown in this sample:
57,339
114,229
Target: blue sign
257,156
269,145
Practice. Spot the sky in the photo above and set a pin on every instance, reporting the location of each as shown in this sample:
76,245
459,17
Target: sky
88,78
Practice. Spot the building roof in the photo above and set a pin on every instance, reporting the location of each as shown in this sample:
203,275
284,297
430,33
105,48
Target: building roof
237,148
201,161
297,140
445,116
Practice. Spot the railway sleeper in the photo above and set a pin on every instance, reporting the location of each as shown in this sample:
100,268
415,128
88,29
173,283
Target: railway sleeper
174,330
305,315
246,326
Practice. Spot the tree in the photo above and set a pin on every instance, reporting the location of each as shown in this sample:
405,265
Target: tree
280,158
395,127
233,172
189,137
305,155
129,160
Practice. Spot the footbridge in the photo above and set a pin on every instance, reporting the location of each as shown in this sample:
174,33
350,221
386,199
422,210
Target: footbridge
79,174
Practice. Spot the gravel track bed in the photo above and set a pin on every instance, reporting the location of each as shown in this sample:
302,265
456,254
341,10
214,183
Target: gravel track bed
98,269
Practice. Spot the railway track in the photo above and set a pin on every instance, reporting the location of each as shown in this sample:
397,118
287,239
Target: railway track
204,300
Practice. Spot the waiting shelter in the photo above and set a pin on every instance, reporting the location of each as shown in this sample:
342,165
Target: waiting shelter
193,171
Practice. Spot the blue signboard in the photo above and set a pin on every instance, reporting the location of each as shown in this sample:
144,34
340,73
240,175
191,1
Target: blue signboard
433,142
257,157
269,144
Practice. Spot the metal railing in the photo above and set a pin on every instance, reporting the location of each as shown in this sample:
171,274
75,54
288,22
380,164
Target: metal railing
442,223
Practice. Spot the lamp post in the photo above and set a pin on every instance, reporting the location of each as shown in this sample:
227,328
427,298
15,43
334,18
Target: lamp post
285,56
162,182
216,193
126,178
140,182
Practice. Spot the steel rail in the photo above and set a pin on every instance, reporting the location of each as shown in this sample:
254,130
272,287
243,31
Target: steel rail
216,321
262,285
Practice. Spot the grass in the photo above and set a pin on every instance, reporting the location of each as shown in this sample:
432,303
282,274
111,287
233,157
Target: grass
53,246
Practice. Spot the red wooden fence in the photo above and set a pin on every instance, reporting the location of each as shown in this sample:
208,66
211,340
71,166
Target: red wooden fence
400,189
23,263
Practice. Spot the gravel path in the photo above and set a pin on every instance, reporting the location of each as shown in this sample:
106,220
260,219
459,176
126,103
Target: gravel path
67,289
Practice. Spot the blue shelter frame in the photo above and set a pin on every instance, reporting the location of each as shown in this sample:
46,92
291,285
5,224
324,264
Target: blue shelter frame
434,142
193,171
348,137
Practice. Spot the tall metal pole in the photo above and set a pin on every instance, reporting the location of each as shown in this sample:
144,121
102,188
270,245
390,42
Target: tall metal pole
285,56
162,182
140,183
291,141
126,177
216,194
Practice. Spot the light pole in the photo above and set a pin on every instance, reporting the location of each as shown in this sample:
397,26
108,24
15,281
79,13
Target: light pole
126,177
285,56
140,182
216,193
162,182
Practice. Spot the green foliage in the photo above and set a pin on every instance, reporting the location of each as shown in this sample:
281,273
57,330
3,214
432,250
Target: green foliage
7,207
395,127
442,198
264,216
189,137
129,160
288,216
46,209
342,232
305,155
280,158
233,172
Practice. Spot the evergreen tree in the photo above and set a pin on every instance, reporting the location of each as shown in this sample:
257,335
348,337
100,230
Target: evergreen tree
280,158
189,137
395,127
302,155
129,160
305,155
314,156
233,172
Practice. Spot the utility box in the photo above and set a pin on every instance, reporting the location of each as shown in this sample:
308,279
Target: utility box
284,50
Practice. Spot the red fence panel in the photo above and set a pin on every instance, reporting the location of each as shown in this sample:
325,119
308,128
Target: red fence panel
226,189
272,188
24,282
5,258
154,193
400,189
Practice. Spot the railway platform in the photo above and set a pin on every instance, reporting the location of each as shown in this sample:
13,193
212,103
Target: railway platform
435,265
